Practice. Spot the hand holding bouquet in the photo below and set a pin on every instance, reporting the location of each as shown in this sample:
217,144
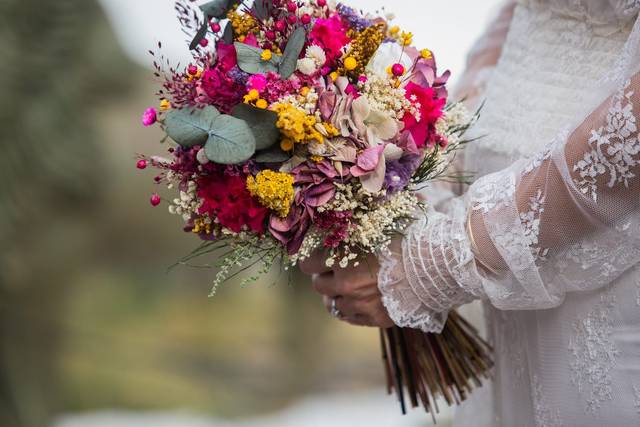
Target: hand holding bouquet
303,127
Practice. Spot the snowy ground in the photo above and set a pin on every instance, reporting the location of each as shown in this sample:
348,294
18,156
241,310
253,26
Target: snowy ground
367,409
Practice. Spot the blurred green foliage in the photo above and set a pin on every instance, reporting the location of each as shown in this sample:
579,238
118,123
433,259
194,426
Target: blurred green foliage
89,317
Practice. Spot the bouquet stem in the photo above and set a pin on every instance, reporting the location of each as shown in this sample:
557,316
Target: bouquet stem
423,367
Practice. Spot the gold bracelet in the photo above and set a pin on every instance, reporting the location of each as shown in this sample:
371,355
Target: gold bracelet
474,246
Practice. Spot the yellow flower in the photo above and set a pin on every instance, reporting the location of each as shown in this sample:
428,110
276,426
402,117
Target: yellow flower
286,145
394,30
350,63
316,159
262,103
426,54
407,38
266,55
273,189
305,91
253,95
296,125
165,105
334,76
201,226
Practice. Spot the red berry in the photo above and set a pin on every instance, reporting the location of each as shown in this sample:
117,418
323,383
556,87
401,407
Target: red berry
215,27
157,178
397,70
292,7
306,19
142,164
204,42
292,19
322,3
281,26
155,200
270,35
192,70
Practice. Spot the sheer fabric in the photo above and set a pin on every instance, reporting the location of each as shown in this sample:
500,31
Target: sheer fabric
549,235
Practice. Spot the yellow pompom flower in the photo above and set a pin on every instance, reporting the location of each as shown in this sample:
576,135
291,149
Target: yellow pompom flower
407,38
273,189
394,30
350,63
266,55
296,125
262,104
253,95
426,54
286,145
334,76
165,105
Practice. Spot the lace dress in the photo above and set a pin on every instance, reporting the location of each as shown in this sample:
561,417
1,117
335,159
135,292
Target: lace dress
549,235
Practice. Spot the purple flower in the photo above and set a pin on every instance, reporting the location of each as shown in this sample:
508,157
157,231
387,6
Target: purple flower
150,116
399,172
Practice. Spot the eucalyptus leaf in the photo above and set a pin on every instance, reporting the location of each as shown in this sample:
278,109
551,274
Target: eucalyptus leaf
190,126
227,34
273,155
292,52
215,9
201,34
230,141
262,124
263,8
250,60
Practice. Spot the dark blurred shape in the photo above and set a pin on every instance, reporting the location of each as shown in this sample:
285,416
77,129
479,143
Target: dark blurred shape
54,70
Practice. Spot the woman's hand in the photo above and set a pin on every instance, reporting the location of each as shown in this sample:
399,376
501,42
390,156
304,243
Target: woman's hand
355,290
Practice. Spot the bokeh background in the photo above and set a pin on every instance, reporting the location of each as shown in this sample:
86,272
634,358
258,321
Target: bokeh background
94,332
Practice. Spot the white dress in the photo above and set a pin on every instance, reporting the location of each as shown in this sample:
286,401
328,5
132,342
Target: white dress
549,235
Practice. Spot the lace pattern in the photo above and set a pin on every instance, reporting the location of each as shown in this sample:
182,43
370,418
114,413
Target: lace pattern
594,354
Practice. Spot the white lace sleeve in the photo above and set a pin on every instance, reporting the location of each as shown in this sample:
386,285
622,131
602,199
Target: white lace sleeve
567,220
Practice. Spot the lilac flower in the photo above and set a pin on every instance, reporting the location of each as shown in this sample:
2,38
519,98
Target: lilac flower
399,173
353,17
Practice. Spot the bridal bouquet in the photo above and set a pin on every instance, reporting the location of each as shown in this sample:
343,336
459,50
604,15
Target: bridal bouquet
308,126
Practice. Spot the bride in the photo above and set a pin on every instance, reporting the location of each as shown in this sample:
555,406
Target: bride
548,236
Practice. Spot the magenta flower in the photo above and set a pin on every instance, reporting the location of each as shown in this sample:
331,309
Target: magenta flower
257,82
150,116
331,35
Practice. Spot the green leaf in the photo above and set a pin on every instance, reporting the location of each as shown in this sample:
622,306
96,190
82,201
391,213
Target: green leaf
230,141
261,122
250,60
273,155
215,9
292,52
202,33
263,8
190,126
227,34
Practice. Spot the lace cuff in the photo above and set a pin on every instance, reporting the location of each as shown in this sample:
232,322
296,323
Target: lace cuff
421,278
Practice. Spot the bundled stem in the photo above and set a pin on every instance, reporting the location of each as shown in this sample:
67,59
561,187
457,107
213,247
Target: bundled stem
425,367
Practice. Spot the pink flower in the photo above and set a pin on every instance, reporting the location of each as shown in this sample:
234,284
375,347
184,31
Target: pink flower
370,167
257,82
291,231
216,87
150,116
431,106
331,35
227,57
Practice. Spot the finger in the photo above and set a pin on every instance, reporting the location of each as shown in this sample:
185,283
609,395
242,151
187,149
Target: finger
315,264
325,284
367,312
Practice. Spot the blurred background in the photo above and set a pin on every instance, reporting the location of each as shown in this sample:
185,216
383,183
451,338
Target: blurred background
94,332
